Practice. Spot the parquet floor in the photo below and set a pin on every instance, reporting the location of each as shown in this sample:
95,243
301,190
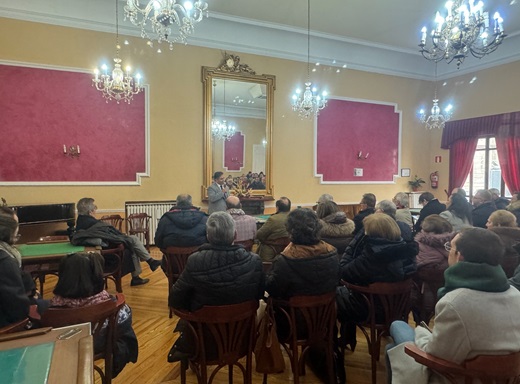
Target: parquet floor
155,334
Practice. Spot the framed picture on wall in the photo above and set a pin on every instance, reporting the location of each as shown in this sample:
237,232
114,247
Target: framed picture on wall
405,172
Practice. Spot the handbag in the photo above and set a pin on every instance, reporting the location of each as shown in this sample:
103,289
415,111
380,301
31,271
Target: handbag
268,355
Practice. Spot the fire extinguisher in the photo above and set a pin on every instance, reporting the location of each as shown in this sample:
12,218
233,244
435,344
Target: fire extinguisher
434,179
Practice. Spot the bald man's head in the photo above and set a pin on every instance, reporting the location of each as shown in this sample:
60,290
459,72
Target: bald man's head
233,202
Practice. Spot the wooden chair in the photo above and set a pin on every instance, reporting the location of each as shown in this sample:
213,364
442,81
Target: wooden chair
267,266
311,322
485,369
386,302
229,332
426,284
113,265
96,315
139,224
278,245
247,244
115,221
15,327
175,259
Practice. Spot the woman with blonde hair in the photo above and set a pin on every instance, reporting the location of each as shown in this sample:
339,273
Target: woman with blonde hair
504,224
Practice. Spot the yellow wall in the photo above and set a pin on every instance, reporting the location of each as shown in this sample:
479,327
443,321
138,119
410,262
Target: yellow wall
176,115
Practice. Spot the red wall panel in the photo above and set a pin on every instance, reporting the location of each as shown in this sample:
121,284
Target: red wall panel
346,128
234,152
42,109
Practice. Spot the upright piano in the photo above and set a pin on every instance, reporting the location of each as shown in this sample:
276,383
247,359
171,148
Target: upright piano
45,220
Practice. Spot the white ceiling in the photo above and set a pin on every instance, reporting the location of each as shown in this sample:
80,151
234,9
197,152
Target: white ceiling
371,35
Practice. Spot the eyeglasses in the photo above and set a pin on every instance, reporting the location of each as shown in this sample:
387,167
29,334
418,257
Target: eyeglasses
447,246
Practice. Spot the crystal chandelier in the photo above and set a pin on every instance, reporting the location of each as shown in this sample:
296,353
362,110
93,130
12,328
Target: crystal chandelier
464,30
309,102
157,18
117,85
437,119
221,129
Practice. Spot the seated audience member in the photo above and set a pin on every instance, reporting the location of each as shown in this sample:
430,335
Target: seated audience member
183,226
230,183
14,301
476,313
514,207
402,203
431,206
385,257
324,198
368,203
484,207
389,208
459,191
245,224
219,273
218,192
435,233
80,284
91,231
500,202
504,224
458,213
274,228
336,227
257,183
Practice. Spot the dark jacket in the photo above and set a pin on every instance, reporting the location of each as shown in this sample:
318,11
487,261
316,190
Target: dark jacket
381,261
87,234
181,228
314,275
510,236
14,302
218,275
358,219
481,214
501,203
434,207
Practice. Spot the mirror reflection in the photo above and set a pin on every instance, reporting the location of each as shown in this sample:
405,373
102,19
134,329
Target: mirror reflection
238,123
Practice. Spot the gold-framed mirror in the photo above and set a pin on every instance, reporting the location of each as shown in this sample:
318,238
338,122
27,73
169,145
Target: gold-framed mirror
236,98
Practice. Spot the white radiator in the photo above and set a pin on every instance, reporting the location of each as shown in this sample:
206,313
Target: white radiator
155,209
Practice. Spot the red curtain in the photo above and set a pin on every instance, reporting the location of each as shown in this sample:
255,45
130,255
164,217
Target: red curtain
508,149
461,161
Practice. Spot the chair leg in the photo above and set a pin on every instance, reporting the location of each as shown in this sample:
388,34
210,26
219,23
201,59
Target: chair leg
230,373
184,367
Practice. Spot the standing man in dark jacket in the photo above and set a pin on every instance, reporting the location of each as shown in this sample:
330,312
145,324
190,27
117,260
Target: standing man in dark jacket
219,273
484,207
431,206
368,203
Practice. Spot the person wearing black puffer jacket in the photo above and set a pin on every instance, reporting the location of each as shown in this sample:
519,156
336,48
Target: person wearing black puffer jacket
219,273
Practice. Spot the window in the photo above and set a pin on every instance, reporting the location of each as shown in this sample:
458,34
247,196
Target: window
486,173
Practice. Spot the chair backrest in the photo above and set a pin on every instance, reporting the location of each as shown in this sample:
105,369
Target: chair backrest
138,222
484,369
278,245
386,302
114,220
14,327
176,259
228,329
247,244
96,315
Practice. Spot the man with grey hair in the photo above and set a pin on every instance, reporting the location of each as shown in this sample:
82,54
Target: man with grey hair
402,203
484,207
219,273
325,197
389,208
245,224
500,202
91,231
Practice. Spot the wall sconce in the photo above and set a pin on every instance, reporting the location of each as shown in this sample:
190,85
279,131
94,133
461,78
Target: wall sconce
73,151
361,157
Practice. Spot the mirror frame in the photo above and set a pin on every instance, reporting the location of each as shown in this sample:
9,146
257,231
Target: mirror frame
230,69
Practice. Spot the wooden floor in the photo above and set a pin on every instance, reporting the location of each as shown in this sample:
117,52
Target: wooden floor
155,334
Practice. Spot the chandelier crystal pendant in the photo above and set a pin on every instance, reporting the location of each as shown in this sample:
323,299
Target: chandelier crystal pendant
465,30
221,129
158,17
117,85
309,102
437,118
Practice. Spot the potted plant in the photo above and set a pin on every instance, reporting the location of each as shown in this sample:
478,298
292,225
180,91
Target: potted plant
416,183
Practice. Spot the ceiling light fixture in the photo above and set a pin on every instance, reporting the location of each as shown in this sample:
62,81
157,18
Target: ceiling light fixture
464,30
309,102
161,15
437,119
117,85
221,130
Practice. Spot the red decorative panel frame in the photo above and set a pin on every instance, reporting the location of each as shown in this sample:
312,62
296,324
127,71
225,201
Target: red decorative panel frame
234,150
45,110
357,141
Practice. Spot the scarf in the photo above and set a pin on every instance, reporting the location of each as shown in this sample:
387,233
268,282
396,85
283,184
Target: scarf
297,251
59,301
477,276
11,251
